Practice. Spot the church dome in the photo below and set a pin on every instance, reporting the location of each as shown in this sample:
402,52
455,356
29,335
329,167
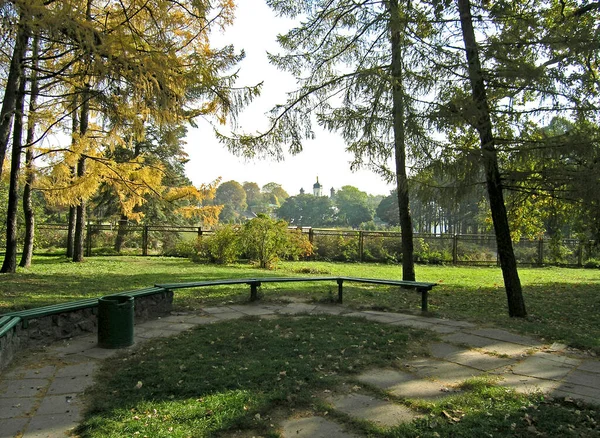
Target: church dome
317,185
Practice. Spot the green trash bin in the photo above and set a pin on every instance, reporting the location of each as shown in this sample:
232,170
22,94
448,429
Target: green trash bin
115,321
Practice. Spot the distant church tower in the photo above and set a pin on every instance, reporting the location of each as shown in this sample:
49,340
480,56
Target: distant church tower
317,188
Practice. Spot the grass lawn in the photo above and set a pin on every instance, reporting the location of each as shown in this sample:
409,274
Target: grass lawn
563,304
242,378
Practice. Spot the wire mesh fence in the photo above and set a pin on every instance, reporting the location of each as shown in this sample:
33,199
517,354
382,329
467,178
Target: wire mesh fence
329,244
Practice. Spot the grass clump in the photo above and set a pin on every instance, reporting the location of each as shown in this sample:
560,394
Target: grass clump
235,375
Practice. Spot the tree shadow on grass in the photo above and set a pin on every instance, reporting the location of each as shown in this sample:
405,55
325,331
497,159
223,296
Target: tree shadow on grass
233,375
249,374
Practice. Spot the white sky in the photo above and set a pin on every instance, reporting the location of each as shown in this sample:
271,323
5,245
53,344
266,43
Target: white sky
324,157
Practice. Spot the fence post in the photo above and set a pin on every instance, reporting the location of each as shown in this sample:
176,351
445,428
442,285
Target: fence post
200,231
580,254
88,240
541,251
145,241
361,245
310,235
455,249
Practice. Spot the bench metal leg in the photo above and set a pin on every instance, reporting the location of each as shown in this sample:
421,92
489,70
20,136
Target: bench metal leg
254,290
424,293
340,291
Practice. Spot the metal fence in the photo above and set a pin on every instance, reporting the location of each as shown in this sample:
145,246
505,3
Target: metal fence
329,244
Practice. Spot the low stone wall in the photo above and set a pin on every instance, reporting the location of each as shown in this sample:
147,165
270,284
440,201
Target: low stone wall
47,329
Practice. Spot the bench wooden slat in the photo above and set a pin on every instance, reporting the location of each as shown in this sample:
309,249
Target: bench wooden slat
56,308
201,283
8,325
12,318
38,312
422,287
141,292
411,284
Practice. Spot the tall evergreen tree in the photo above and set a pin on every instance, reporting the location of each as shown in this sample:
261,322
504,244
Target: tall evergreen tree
483,124
363,73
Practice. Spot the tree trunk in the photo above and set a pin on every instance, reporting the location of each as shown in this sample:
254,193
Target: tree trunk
399,119
29,176
78,240
121,233
11,87
72,209
71,232
28,212
10,256
508,263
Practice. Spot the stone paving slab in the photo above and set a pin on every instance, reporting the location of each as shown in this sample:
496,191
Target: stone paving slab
69,385
202,320
558,358
382,317
403,385
251,310
380,412
13,407
328,309
74,346
105,353
45,372
59,404
447,372
151,334
171,319
469,358
542,368
313,427
77,370
448,322
527,384
226,316
52,426
578,393
157,324
215,310
14,389
503,335
591,366
391,316
487,344
443,329
11,427
180,327
440,350
297,308
583,378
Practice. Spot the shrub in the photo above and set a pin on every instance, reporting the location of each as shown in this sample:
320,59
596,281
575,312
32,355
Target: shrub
337,248
222,247
592,264
266,240
181,248
299,245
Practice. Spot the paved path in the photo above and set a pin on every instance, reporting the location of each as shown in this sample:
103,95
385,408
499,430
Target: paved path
40,395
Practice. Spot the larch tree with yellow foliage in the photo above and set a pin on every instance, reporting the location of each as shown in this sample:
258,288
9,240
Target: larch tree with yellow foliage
113,69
